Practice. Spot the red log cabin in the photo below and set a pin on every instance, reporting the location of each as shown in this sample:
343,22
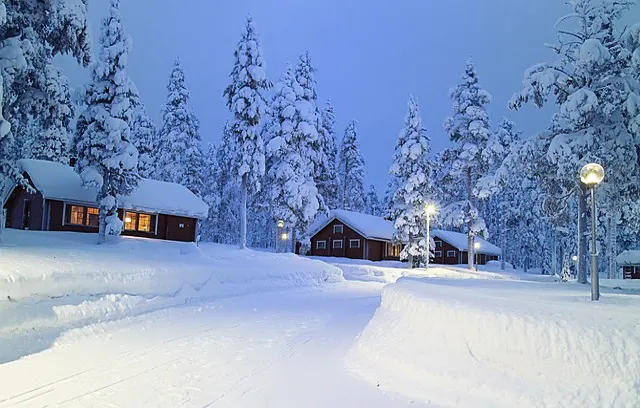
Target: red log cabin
347,234
59,202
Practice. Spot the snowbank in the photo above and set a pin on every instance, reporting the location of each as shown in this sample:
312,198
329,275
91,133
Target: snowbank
51,280
491,343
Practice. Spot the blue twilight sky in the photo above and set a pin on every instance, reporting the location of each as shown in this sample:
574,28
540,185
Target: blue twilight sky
370,55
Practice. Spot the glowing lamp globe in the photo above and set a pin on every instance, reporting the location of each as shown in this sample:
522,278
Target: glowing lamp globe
430,209
575,258
592,174
476,245
280,224
284,236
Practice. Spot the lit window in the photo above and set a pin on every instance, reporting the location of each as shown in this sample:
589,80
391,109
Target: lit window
354,243
130,221
393,250
451,254
337,229
144,222
321,245
77,215
93,217
337,243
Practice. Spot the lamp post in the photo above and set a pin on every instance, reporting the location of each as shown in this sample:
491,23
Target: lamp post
280,225
591,175
429,209
476,246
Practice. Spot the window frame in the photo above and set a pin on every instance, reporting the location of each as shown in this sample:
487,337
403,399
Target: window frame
351,241
438,243
333,244
324,244
71,212
436,252
341,226
84,221
135,221
449,251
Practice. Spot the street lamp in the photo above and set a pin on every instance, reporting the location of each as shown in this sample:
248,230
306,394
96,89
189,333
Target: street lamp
280,225
284,236
575,259
430,210
591,175
476,246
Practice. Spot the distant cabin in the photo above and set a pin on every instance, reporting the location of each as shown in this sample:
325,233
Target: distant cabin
155,209
348,234
629,261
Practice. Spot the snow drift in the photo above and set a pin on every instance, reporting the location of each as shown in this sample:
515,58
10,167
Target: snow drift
57,280
491,343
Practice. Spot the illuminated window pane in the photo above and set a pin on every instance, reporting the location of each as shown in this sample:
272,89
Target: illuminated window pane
93,217
77,215
144,222
130,221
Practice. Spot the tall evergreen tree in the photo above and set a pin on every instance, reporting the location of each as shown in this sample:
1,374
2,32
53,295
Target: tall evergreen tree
211,193
228,190
329,182
351,170
247,105
470,130
412,171
107,159
374,206
179,141
144,138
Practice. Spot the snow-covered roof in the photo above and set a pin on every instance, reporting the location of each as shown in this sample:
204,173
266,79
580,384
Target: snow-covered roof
57,181
629,257
459,241
369,226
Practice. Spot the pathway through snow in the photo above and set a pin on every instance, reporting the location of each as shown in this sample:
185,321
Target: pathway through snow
281,349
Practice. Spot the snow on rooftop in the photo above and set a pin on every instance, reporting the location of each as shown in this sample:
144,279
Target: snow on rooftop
369,226
59,182
459,240
629,257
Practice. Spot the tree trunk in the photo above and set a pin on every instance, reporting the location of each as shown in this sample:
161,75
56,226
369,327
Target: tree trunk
102,226
582,238
3,217
471,251
243,214
503,244
554,253
612,246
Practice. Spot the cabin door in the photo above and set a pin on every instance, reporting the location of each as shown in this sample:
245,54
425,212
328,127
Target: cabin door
26,215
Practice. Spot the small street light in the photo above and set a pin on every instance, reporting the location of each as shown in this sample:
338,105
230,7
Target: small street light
430,210
591,175
575,259
280,225
476,246
284,236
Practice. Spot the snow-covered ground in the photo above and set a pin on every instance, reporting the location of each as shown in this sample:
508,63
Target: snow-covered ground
50,282
263,350
502,343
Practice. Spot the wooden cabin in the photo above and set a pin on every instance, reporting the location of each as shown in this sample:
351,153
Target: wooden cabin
348,234
59,202
629,261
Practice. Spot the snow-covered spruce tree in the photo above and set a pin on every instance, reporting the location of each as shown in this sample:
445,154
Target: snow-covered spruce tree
351,170
329,183
179,157
143,135
31,34
226,177
210,193
595,83
470,130
412,171
52,142
107,160
247,105
374,206
293,193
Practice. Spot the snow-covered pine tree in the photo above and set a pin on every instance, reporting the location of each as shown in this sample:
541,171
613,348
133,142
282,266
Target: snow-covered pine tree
143,135
32,33
595,83
247,105
351,170
374,206
179,157
329,183
52,142
470,130
293,193
412,171
228,190
107,159
210,193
